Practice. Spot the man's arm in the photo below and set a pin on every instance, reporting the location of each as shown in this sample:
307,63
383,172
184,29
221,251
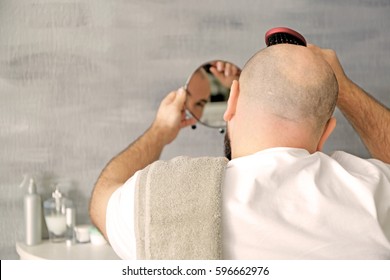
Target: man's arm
146,149
368,117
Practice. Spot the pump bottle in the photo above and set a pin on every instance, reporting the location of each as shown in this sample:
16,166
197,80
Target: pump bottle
32,215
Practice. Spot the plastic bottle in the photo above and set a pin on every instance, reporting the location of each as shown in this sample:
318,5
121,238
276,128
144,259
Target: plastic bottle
32,214
70,223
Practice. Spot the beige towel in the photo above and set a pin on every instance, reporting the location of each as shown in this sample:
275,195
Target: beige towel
178,209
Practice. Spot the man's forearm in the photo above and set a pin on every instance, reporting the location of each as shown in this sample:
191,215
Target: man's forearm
369,118
145,150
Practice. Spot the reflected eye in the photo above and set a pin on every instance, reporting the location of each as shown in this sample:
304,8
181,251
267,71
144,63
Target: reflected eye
201,103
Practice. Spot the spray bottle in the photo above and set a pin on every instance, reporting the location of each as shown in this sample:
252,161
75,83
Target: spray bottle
32,213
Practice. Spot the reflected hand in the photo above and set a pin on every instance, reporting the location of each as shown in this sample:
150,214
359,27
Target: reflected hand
225,72
171,117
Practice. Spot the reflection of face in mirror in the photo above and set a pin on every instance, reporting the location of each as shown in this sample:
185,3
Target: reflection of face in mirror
208,90
198,90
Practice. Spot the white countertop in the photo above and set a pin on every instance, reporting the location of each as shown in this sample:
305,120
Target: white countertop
60,251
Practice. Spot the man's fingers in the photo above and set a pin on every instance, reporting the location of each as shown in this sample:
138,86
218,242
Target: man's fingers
169,98
180,97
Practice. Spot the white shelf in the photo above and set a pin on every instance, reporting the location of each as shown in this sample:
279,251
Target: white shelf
60,251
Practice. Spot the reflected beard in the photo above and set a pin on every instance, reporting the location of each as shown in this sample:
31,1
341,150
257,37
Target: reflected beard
228,150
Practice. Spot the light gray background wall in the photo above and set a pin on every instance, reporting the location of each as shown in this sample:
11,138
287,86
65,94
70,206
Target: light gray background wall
81,79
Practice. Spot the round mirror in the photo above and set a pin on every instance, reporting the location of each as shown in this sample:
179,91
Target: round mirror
208,90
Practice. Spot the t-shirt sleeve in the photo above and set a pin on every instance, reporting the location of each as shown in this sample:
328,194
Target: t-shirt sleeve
120,220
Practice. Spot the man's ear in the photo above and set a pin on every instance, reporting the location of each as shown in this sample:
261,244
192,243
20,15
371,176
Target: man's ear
232,102
329,127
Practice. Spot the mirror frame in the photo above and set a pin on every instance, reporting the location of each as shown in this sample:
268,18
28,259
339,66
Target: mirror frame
223,102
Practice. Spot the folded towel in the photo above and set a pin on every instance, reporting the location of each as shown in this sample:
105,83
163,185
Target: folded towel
178,209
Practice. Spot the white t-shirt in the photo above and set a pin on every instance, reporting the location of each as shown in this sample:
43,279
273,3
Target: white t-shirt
284,203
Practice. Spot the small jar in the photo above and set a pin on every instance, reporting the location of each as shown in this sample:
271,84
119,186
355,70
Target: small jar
82,233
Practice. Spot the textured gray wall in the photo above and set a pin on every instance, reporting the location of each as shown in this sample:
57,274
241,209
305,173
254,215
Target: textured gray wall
81,79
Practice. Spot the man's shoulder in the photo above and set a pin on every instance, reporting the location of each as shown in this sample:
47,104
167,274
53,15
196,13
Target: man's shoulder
361,165
182,167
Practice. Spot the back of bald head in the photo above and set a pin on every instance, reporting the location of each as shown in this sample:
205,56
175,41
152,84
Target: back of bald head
290,82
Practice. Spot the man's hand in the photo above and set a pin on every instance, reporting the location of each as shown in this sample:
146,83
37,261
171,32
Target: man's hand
330,56
171,116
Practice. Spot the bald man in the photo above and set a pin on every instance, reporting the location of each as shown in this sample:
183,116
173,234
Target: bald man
285,98
282,198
